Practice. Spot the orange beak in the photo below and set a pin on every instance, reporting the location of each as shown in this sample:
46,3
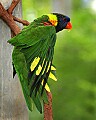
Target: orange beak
68,26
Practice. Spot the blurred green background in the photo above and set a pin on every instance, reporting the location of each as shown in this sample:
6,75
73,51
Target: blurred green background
74,94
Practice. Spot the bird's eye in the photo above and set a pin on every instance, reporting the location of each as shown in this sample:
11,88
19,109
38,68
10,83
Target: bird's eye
64,19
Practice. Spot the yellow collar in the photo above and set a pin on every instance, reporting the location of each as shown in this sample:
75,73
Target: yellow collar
53,19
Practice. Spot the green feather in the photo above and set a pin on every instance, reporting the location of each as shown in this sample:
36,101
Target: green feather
21,69
36,40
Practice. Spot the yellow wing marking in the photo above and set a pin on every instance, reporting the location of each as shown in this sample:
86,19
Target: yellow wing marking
34,63
53,68
52,77
39,70
46,86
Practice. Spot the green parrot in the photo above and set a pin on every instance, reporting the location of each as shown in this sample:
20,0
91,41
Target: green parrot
33,55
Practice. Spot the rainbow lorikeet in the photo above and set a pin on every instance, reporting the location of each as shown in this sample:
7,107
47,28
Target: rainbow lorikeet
33,54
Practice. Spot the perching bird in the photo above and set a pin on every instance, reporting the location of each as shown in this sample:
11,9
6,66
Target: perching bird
33,54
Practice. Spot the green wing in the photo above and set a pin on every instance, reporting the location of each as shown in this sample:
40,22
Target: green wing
31,44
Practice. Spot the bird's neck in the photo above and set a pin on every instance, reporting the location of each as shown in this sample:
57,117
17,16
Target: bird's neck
41,20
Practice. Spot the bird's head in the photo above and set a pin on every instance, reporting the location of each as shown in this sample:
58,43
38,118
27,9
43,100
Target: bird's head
60,21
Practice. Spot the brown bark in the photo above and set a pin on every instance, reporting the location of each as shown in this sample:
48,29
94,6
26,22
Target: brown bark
12,6
24,22
48,108
9,20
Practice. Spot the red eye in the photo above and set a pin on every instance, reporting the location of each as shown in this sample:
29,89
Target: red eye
64,19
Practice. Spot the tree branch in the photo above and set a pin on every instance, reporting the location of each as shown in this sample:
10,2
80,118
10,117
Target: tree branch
48,107
9,20
24,22
12,6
